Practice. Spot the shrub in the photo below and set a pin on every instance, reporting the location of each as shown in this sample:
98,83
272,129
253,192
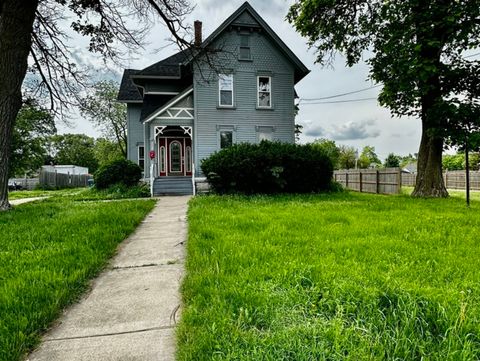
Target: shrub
268,168
119,171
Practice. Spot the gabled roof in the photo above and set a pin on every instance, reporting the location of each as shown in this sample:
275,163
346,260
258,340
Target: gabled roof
169,104
169,67
128,91
301,69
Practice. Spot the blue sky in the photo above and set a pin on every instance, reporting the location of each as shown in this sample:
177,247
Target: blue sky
352,123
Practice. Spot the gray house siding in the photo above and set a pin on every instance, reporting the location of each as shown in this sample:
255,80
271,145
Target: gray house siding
135,131
245,118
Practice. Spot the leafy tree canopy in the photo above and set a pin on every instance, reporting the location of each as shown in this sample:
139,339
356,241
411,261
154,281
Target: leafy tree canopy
368,158
392,161
330,148
347,158
32,128
73,149
100,106
416,50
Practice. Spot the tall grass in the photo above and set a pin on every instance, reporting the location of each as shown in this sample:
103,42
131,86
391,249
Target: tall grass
331,277
48,252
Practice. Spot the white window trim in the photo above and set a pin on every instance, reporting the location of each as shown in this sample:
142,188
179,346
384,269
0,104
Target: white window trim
258,91
138,154
226,128
262,128
220,92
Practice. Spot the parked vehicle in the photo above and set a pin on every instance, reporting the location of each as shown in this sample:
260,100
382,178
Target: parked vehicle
14,186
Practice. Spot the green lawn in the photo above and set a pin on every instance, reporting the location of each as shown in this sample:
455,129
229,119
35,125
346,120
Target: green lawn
44,193
346,276
48,252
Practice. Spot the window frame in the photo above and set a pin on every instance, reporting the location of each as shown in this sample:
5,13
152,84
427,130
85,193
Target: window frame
226,128
141,159
242,46
269,92
266,129
220,91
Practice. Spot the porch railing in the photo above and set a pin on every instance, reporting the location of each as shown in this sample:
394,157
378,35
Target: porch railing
152,178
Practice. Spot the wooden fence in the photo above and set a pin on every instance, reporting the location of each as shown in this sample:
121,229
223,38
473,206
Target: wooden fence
60,180
26,183
453,179
380,181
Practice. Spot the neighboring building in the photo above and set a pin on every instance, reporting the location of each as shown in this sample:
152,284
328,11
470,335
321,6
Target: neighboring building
182,109
65,169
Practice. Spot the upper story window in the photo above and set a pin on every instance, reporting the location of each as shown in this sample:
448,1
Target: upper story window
264,87
225,88
244,52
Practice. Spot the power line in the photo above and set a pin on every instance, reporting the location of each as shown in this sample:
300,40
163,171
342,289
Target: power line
342,94
470,56
340,101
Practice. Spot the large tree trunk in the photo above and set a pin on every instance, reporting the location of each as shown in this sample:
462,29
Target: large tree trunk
430,179
16,24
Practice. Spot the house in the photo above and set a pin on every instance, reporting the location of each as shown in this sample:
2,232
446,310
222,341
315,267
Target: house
235,86
65,169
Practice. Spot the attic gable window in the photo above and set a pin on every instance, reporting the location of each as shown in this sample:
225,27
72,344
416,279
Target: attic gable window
225,88
264,86
244,51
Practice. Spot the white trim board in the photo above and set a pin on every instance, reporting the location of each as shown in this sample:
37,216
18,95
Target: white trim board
170,104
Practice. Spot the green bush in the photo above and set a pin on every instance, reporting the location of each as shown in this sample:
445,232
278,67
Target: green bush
268,168
119,171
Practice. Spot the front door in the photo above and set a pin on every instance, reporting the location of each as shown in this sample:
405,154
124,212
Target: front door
175,156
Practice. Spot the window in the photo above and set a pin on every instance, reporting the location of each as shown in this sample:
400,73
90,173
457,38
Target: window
188,158
264,92
226,138
244,52
141,156
265,133
175,157
161,159
225,85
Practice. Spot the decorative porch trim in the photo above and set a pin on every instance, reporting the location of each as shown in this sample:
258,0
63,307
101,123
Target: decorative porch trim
187,130
159,130
170,104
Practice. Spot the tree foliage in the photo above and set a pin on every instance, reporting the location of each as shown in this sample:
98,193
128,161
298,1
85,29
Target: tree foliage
416,50
330,149
347,158
73,149
106,151
34,39
100,106
368,158
32,128
392,161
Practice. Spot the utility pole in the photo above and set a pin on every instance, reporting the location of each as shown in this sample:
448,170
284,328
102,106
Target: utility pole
467,171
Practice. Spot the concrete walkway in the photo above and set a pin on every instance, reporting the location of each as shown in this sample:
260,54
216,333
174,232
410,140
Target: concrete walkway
131,311
17,202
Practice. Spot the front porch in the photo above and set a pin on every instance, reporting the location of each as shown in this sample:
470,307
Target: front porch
172,168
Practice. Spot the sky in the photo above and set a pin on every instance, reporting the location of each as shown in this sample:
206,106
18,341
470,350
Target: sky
357,124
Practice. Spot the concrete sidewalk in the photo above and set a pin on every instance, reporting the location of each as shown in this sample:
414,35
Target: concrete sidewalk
17,202
132,309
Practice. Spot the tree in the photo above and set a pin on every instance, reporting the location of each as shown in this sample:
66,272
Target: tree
108,115
297,132
347,158
32,128
331,149
368,158
33,39
106,151
73,149
392,161
416,52
453,161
